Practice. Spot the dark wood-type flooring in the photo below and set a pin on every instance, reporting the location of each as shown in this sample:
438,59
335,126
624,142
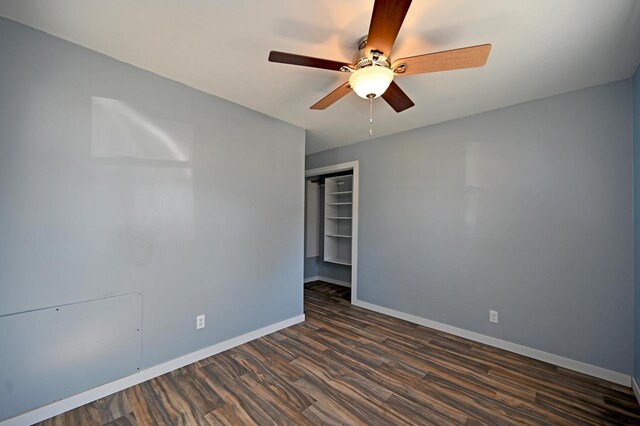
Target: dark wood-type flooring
347,365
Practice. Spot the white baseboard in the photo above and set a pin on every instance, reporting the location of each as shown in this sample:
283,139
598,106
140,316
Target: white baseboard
327,280
332,281
592,370
59,407
636,389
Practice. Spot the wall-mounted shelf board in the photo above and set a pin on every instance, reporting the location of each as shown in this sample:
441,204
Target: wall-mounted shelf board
340,218
338,261
340,204
338,236
340,193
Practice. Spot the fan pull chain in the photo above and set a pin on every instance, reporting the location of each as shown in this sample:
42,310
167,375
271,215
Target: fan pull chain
370,115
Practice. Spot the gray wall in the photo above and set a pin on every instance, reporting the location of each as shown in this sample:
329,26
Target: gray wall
114,180
310,267
526,210
636,218
335,271
310,263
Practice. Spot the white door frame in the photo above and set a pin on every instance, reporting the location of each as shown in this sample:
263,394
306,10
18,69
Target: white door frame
354,166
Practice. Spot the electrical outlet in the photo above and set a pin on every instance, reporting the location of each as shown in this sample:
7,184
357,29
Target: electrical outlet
493,316
199,322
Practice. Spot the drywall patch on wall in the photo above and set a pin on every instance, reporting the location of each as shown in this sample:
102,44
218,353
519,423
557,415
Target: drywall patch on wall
52,353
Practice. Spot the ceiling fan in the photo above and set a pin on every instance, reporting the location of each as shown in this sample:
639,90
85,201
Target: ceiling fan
372,71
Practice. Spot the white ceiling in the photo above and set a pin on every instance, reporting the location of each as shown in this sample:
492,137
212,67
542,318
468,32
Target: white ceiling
540,48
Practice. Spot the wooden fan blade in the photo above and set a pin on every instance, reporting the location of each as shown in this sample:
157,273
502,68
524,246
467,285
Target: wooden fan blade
332,97
305,61
395,97
467,57
386,20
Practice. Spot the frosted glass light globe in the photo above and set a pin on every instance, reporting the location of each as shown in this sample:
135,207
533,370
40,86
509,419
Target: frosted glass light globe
371,80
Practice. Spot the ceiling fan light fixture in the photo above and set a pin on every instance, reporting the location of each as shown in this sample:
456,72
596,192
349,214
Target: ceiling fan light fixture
372,80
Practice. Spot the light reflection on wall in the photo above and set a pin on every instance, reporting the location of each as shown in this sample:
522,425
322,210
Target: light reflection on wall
143,165
475,179
120,130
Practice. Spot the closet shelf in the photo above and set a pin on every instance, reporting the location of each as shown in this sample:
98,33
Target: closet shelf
338,206
339,261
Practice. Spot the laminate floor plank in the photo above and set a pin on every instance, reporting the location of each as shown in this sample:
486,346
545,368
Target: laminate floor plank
113,407
128,419
347,365
145,405
229,415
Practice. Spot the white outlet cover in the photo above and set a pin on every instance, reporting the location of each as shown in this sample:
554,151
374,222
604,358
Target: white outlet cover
493,316
200,322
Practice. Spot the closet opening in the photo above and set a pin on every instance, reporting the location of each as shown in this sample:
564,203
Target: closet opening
331,226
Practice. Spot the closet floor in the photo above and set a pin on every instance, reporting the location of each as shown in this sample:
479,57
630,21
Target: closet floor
350,365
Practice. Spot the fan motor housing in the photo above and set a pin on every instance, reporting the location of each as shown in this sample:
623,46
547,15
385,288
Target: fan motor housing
361,59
